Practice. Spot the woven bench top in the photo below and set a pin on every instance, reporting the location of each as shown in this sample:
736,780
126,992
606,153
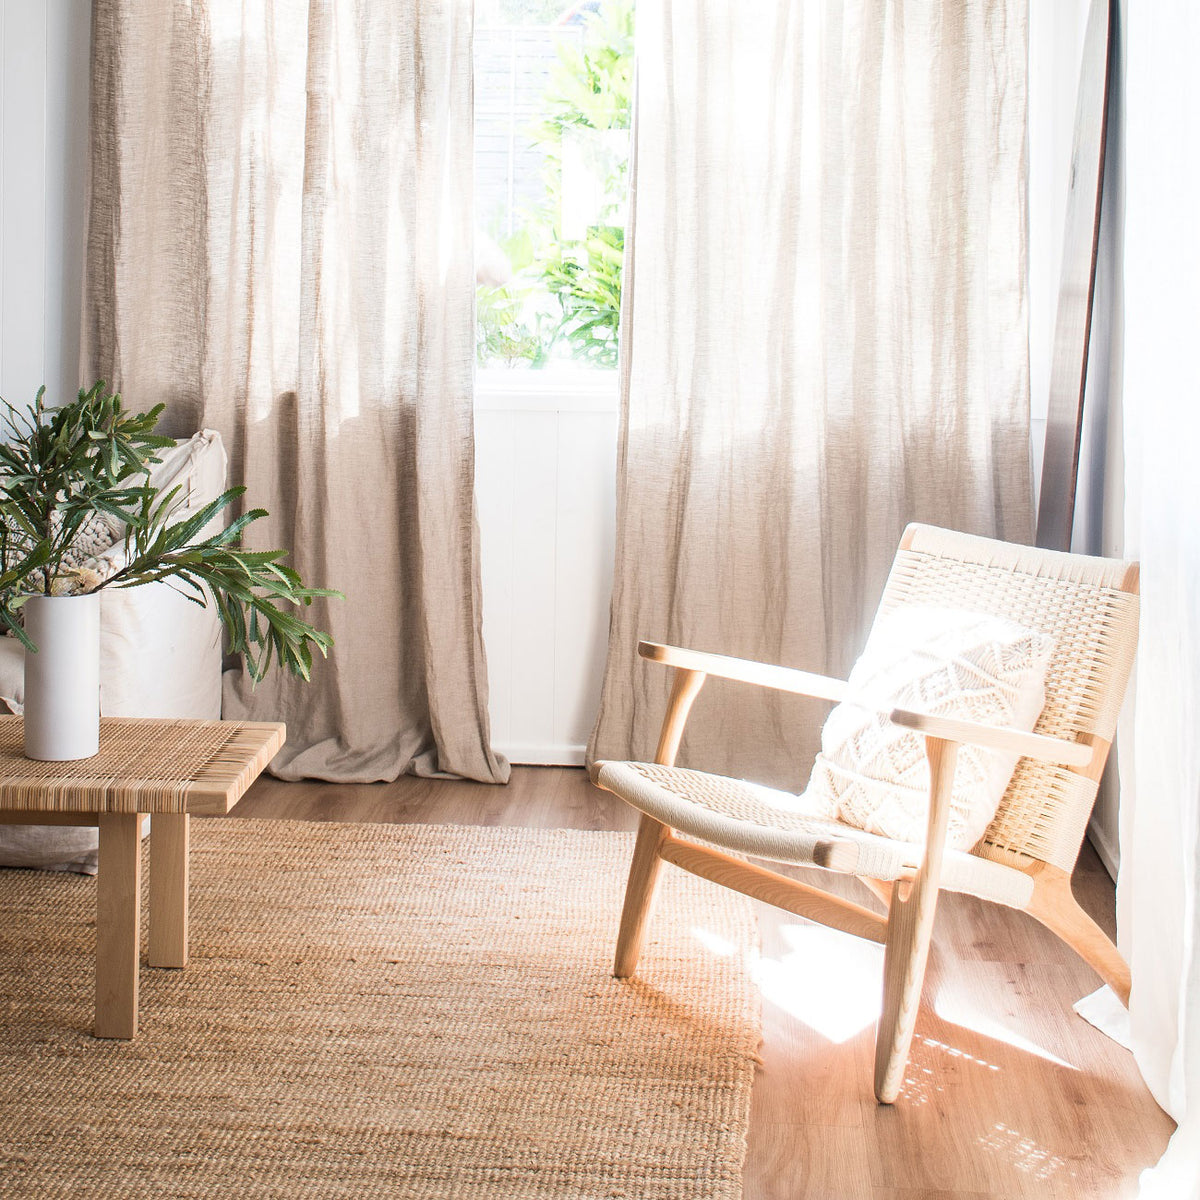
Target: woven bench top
144,765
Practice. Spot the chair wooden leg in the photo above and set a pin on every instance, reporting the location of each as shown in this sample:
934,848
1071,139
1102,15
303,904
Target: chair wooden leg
910,929
639,893
1055,906
643,871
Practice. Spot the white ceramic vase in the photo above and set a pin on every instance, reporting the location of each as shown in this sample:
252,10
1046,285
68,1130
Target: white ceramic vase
62,680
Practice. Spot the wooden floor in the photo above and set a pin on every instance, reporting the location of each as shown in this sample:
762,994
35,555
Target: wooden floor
1008,1094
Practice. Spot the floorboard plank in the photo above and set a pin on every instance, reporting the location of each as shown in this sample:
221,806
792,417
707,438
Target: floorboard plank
788,1161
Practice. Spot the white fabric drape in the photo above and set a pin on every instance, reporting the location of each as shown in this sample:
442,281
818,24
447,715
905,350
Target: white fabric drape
1159,884
280,247
824,337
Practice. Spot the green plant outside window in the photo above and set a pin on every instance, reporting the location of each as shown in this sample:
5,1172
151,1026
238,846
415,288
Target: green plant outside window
563,298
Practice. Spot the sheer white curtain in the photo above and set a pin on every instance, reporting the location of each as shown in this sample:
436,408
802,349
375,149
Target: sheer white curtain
824,337
1159,885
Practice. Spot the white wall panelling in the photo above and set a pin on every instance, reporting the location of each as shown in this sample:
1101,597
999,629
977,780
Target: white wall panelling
545,471
44,47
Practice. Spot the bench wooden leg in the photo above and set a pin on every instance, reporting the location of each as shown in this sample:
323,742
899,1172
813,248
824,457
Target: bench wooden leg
118,925
169,838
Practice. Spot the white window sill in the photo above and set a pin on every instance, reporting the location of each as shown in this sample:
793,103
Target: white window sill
557,389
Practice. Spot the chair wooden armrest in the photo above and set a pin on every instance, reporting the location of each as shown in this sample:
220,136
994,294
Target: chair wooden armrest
823,687
745,670
1012,741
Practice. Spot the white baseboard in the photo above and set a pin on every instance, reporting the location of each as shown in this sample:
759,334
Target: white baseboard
1106,850
541,754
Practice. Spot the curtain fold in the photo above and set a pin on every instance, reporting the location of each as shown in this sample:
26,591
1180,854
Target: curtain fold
279,247
824,337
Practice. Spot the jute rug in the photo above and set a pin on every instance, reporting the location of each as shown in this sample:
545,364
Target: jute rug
375,1010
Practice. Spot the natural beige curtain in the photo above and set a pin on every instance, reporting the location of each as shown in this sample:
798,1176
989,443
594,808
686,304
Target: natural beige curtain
824,337
279,247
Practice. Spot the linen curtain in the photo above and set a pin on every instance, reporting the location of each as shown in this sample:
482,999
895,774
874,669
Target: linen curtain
279,246
1158,887
824,337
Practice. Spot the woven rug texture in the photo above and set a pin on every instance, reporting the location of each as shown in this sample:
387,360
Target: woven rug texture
383,1010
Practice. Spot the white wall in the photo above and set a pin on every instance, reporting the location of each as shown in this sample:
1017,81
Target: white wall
545,486
44,46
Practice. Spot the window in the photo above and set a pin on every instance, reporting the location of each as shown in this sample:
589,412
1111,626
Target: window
553,87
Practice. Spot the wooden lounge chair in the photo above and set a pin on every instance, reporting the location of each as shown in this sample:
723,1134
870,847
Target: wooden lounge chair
708,823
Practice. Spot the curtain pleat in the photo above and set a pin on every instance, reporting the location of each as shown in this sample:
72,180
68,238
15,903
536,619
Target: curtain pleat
824,337
280,247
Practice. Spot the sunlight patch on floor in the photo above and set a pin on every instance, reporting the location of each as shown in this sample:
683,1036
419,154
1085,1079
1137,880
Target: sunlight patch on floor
956,1052
714,943
832,983
826,979
922,1078
1023,1152
954,1007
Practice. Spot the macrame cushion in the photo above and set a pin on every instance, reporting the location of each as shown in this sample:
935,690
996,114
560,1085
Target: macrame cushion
874,775
98,532
87,562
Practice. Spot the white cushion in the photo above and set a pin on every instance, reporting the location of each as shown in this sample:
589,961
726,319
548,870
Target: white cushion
49,847
874,775
196,466
160,654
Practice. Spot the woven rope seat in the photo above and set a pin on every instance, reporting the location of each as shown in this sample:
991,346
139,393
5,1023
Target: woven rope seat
764,822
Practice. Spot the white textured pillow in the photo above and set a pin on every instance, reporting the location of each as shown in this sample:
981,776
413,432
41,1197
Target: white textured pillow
949,663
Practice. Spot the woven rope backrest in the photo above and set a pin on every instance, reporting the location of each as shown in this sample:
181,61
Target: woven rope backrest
1090,607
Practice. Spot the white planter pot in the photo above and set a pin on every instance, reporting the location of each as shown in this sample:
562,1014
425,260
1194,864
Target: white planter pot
62,680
